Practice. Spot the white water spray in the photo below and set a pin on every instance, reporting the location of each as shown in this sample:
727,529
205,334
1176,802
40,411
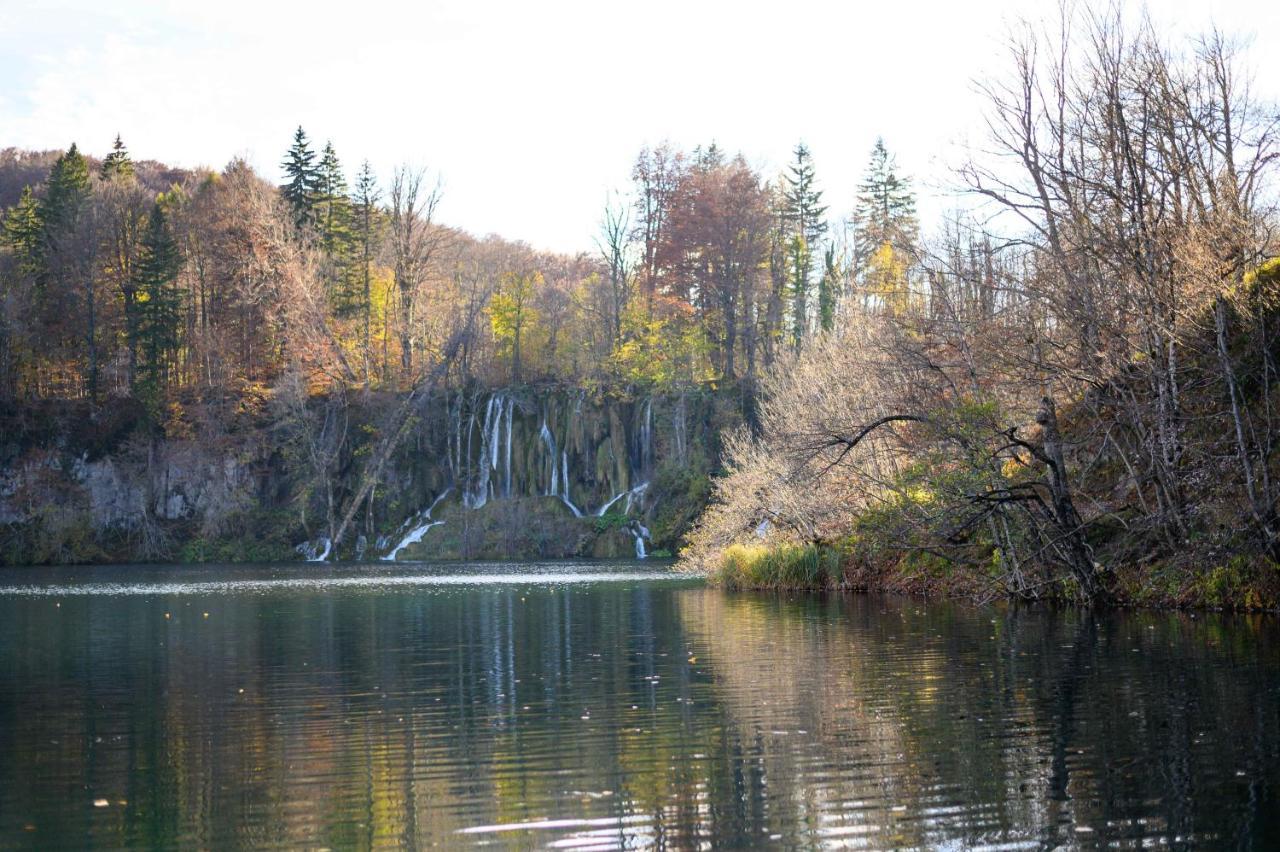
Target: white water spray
415,535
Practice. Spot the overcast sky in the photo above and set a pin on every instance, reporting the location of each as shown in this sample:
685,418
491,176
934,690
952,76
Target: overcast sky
531,111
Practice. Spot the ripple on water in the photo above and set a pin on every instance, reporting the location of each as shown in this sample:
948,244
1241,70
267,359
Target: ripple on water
578,706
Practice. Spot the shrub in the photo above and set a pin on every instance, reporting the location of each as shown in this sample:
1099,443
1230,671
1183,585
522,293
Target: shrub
777,566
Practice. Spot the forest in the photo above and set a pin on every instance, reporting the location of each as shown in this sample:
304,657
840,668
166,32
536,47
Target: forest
1063,389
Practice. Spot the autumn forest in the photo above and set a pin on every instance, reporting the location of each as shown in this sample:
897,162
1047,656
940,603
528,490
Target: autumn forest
1064,388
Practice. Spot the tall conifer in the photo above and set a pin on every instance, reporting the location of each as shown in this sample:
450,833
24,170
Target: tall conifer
159,304
117,163
302,190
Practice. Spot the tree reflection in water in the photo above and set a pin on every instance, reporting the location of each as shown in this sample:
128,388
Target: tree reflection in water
625,712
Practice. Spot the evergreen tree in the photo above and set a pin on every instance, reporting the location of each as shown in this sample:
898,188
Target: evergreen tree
365,225
303,189
333,205
708,158
802,216
886,232
828,290
117,163
886,209
24,236
71,267
65,193
803,209
159,304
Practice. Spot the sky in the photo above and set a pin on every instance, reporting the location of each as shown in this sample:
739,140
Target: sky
532,113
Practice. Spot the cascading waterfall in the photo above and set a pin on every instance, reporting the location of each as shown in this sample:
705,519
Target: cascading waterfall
506,488
678,427
549,441
481,485
646,436
630,495
482,463
564,484
641,534
315,551
415,535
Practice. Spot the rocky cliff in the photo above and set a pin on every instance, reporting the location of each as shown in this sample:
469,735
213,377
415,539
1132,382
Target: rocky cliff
532,472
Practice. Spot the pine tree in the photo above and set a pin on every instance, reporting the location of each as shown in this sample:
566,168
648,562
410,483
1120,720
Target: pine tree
159,304
802,217
65,193
803,209
333,205
366,219
886,232
303,189
71,261
117,163
886,209
24,236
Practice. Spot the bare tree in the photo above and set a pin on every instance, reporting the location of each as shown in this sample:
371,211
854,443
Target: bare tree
414,240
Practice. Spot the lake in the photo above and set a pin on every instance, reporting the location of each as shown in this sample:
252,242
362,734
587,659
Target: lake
599,706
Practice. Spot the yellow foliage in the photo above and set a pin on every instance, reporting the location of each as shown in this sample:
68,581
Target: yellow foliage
887,279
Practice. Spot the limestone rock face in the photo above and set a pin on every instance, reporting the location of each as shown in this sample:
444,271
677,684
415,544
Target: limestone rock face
555,455
530,472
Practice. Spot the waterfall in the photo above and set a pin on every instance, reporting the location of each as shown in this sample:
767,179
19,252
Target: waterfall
633,494
506,489
415,535
641,532
630,495
311,550
493,425
564,478
549,441
679,416
559,486
479,486
646,436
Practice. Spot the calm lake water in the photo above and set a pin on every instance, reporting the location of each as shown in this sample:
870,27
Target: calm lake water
588,706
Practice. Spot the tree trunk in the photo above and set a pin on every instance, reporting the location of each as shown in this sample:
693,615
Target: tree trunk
1070,528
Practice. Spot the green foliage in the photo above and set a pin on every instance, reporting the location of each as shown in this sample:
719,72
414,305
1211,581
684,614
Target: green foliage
681,493
798,264
660,353
778,566
65,193
266,536
511,315
886,209
23,235
828,290
802,209
117,164
303,189
1243,583
159,308
610,521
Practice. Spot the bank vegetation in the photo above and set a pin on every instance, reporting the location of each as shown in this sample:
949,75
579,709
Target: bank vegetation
1070,392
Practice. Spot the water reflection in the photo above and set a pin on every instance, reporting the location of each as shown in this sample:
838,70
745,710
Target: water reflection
627,710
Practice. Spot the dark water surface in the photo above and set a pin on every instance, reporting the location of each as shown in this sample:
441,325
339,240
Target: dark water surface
581,706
